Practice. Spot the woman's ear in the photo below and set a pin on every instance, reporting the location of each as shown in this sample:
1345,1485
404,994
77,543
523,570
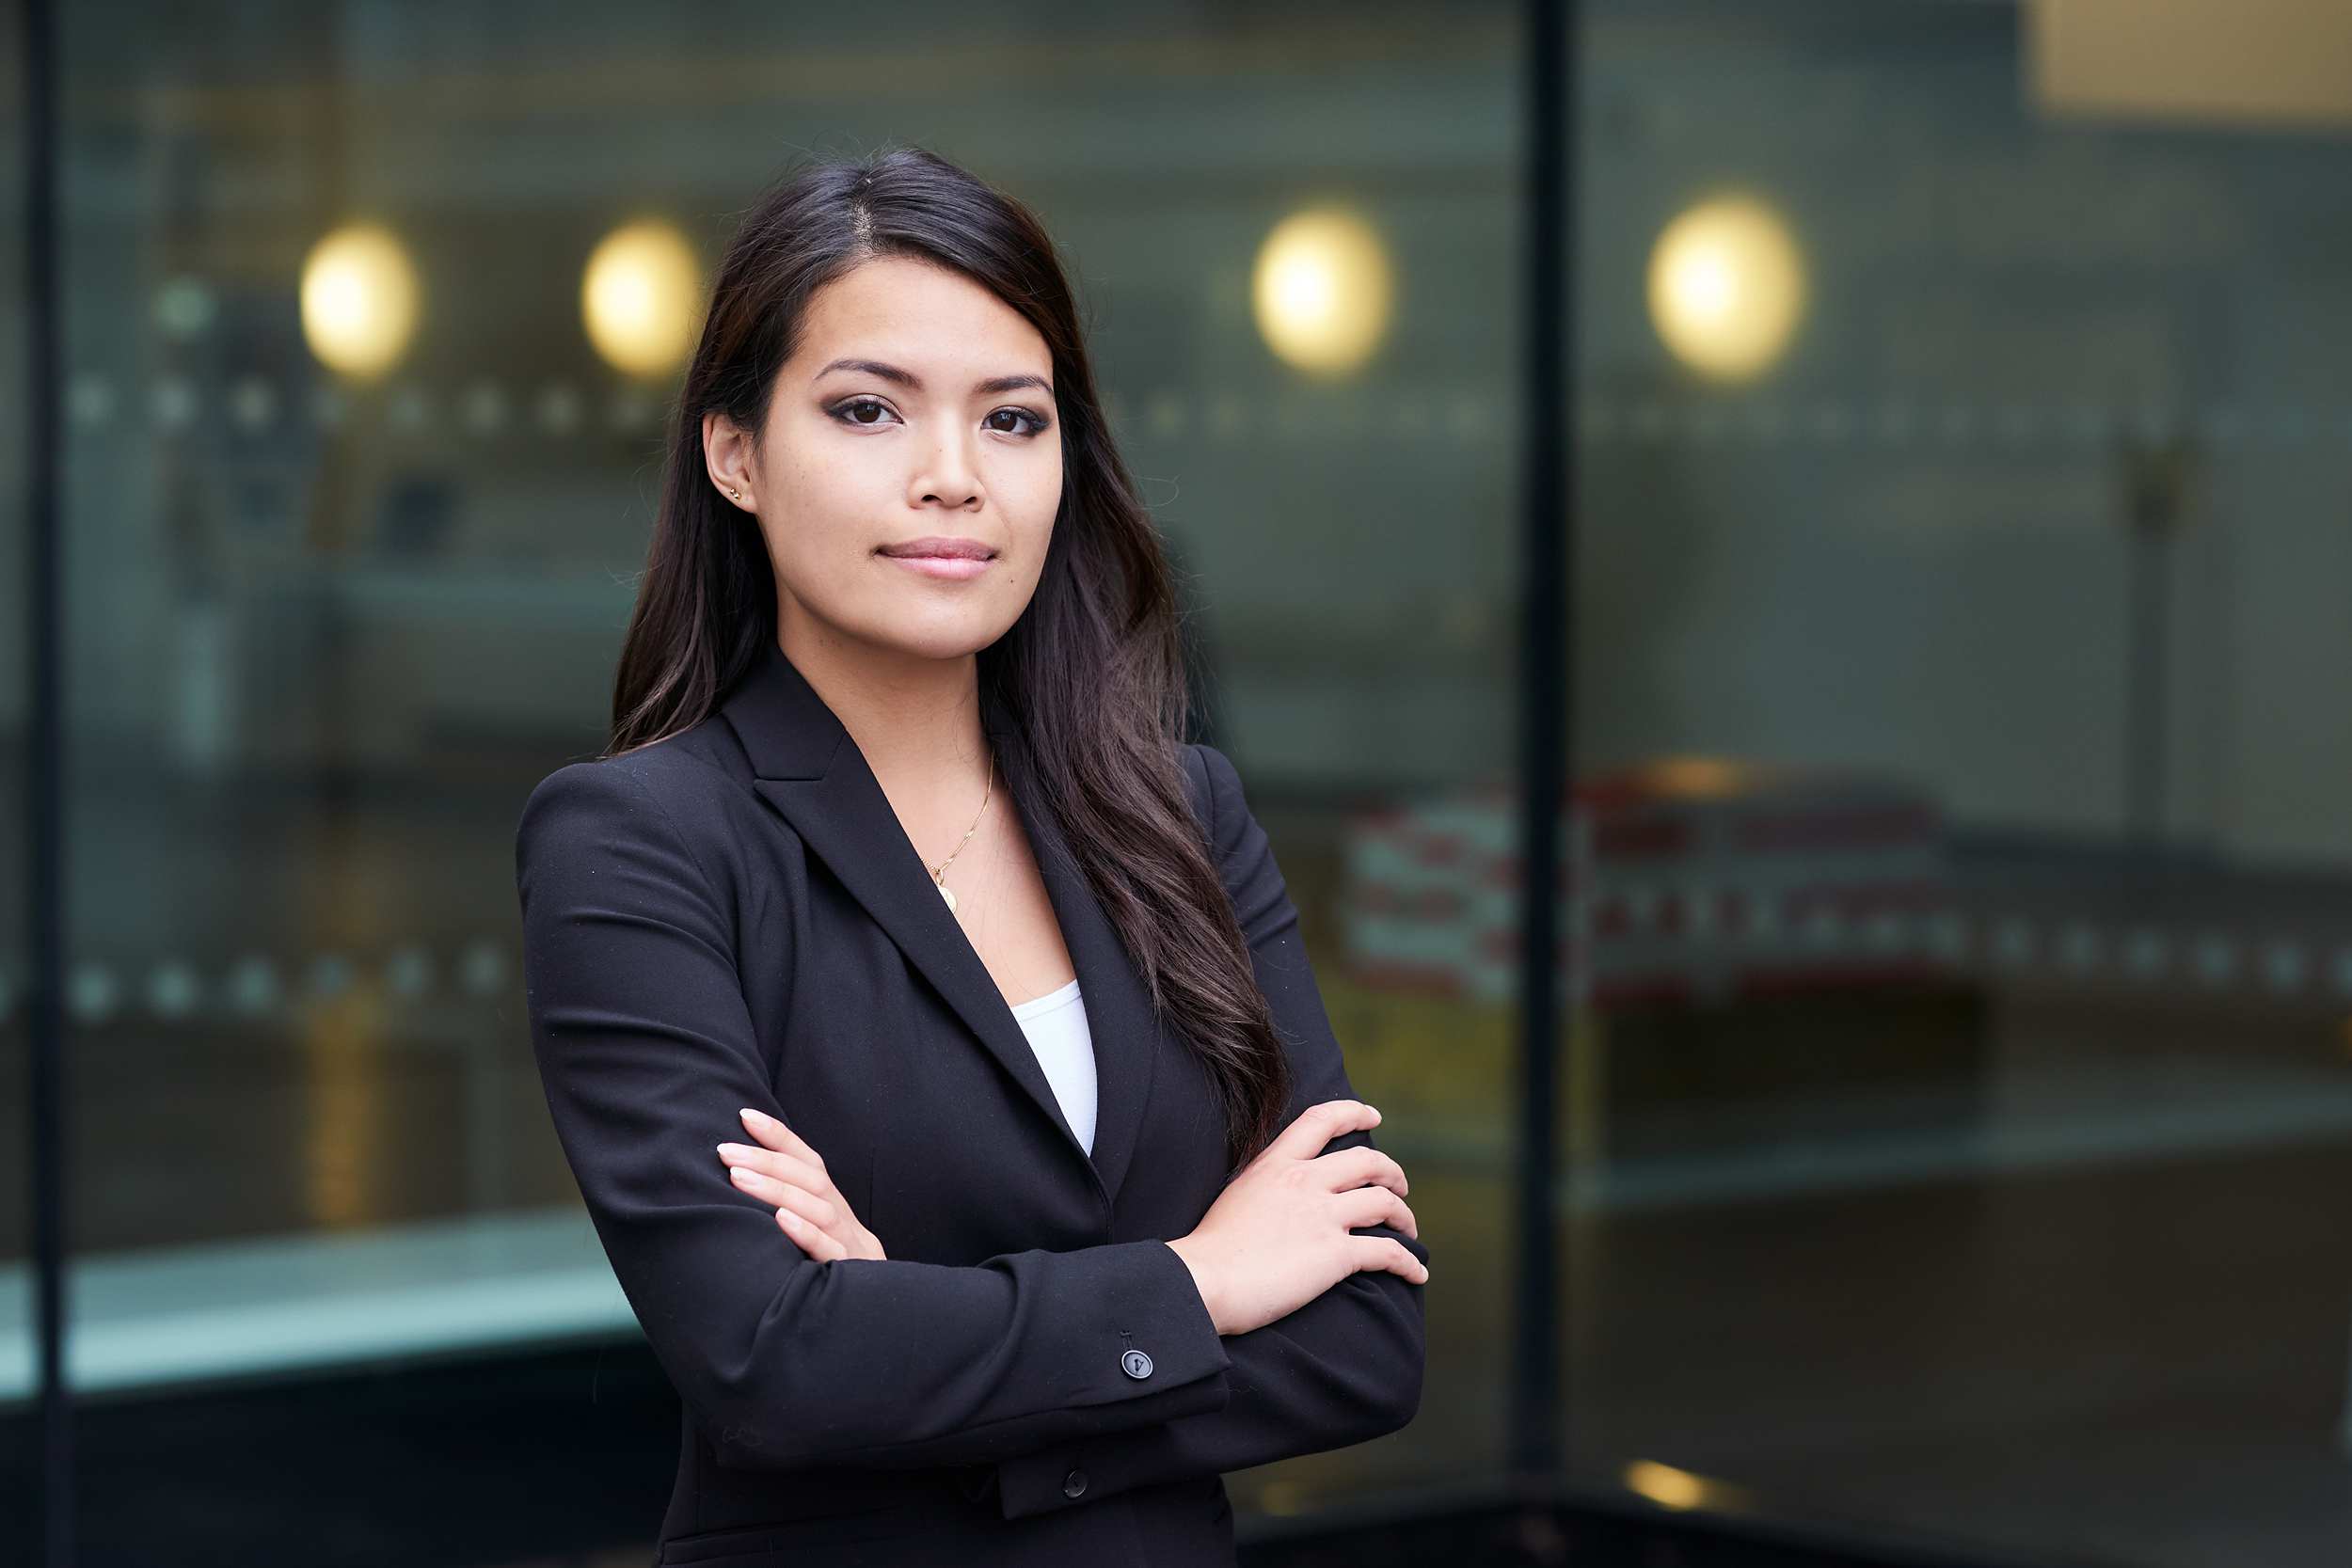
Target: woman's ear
726,456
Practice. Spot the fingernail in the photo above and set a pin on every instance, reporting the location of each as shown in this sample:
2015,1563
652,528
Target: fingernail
732,1151
739,1173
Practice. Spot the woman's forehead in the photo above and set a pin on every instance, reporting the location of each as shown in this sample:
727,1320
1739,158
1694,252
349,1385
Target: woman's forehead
925,319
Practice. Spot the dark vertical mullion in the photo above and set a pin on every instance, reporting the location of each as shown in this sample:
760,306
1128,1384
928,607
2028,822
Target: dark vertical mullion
1546,515
45,911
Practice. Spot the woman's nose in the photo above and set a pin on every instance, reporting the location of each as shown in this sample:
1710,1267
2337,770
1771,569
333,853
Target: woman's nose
950,479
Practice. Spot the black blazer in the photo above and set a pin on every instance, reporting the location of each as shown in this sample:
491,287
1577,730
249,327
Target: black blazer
734,916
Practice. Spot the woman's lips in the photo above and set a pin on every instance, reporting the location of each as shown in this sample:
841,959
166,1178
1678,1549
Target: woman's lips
934,556
941,565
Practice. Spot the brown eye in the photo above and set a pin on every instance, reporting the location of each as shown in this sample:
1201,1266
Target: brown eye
1036,422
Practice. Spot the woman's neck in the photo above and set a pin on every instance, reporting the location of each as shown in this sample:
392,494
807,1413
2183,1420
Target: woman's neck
917,721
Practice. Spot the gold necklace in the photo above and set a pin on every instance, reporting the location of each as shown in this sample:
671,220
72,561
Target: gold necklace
940,871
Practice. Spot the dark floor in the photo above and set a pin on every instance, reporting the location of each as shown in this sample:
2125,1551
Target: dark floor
2142,1364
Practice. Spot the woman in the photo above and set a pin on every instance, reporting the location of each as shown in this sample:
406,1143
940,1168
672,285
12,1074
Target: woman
925,1022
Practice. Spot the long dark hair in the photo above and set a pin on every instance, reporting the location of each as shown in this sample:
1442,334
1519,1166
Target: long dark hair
1090,678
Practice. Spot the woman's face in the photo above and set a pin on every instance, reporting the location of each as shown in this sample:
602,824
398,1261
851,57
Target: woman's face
942,427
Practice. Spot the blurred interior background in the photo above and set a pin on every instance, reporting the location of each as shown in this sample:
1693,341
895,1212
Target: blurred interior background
1954,993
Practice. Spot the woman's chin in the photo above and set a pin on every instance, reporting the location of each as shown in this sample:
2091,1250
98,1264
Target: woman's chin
938,636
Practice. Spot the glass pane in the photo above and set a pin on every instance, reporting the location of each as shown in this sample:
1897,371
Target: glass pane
1966,1131
353,497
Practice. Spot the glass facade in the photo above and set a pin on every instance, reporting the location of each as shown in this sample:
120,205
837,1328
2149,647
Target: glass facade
357,470
1959,626
1955,1034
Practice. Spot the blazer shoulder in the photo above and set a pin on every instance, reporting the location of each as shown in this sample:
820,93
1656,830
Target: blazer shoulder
1216,791
1199,792
667,790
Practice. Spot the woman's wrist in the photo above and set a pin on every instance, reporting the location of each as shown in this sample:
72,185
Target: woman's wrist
1182,1247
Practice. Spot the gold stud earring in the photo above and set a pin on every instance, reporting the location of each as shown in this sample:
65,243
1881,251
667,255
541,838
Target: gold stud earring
737,494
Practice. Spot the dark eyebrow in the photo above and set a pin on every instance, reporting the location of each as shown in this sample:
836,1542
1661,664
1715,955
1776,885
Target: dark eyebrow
914,383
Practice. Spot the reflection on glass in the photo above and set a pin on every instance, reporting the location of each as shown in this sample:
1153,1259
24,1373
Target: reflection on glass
1962,931
1322,290
352,506
640,296
1727,287
358,300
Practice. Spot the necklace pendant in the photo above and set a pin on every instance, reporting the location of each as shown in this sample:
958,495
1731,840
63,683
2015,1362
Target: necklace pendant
949,894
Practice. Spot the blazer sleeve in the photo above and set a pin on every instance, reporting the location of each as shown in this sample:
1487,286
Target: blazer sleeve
646,1049
1345,1367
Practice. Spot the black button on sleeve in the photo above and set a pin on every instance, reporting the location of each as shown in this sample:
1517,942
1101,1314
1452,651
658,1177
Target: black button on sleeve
1137,1364
1075,1484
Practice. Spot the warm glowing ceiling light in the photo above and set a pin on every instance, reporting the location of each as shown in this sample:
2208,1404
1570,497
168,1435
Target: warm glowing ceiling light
637,298
1727,287
1322,290
358,300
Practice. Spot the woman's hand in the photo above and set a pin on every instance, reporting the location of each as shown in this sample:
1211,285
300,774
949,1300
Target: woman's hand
786,1172
1279,1235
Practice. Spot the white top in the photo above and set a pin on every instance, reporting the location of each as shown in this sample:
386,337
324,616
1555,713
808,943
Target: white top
1056,1026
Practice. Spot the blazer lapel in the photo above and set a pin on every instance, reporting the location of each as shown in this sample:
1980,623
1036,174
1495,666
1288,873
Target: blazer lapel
1126,1028
805,764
